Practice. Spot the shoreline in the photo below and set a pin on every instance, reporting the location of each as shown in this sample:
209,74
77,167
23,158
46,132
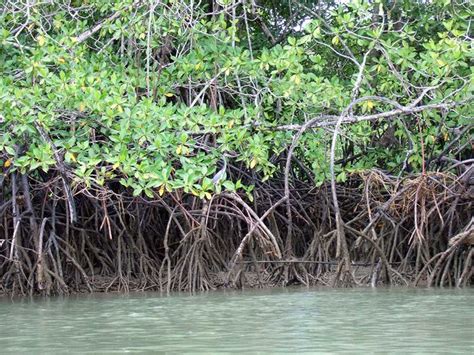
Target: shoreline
108,285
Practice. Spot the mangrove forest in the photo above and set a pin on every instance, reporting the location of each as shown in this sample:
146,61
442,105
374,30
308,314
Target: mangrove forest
188,145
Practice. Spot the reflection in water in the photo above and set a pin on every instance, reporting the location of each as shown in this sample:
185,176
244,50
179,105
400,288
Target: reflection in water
312,320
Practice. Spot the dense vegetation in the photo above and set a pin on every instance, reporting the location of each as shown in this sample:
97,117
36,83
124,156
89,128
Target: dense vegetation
343,131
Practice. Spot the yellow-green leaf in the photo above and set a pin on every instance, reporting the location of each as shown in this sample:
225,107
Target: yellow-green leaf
253,163
41,40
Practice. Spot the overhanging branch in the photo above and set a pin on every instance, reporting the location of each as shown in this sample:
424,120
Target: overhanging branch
331,120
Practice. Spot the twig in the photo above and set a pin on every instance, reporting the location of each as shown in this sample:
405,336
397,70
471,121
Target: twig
86,34
62,171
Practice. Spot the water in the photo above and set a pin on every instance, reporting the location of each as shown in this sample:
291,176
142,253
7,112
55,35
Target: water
295,320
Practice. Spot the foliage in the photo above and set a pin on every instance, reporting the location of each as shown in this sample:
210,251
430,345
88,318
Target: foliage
151,95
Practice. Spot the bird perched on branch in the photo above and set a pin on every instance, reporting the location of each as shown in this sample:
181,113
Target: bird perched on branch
221,174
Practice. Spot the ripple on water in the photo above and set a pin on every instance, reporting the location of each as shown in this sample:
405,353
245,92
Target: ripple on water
356,320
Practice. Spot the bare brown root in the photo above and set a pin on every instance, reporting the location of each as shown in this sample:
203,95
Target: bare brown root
418,230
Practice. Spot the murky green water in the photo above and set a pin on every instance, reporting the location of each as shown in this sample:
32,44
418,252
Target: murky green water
298,320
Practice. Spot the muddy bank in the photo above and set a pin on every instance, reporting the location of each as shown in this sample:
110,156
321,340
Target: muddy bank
247,278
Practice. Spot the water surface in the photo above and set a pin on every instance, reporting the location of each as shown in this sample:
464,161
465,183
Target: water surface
262,321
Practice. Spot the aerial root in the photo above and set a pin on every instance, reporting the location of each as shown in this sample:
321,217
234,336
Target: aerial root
414,231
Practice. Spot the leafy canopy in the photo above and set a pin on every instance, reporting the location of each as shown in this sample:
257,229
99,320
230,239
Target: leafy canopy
152,94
